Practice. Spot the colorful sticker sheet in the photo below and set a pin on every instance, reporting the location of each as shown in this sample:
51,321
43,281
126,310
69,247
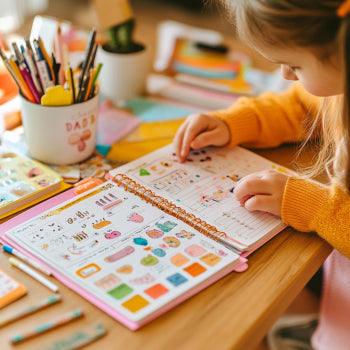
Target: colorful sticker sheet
128,254
22,180
204,185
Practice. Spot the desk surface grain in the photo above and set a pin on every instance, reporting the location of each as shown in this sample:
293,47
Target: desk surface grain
234,313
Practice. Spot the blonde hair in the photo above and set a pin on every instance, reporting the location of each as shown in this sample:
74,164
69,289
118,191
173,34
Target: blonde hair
311,24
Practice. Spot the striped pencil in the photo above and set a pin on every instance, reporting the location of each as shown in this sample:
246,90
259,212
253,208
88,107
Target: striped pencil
53,299
57,322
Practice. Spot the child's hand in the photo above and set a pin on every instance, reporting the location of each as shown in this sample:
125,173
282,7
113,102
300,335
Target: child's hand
200,130
262,191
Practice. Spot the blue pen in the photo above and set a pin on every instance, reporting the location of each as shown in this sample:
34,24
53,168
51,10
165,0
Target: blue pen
24,59
15,252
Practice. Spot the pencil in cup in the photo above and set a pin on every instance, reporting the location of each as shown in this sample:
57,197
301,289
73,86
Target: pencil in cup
57,322
51,300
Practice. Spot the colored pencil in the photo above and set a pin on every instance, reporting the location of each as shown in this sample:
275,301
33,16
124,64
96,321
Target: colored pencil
25,268
53,299
15,252
57,322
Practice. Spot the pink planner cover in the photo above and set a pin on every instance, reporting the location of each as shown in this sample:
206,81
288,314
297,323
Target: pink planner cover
194,251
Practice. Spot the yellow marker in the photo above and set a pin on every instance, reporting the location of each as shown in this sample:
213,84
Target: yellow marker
57,96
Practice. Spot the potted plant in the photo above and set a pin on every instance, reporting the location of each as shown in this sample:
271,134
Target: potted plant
125,62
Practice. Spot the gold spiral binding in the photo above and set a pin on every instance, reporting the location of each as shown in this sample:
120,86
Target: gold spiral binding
148,196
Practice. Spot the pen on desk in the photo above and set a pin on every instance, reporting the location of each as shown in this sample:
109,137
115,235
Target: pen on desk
59,321
34,274
53,299
15,252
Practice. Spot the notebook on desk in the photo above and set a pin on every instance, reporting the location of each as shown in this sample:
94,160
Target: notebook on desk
143,242
24,182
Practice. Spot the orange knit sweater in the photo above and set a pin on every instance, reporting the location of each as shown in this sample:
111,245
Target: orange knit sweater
271,119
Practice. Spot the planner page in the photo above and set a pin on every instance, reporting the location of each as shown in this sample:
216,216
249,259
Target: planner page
204,185
132,258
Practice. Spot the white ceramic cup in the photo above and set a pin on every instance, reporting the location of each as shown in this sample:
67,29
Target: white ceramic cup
123,75
60,135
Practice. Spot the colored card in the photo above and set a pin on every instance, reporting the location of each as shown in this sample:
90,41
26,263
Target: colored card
10,289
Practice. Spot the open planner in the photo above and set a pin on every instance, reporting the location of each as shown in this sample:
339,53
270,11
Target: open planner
156,233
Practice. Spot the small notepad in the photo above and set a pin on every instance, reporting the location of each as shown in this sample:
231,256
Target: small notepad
10,289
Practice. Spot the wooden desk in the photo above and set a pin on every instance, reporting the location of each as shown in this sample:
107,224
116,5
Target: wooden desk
234,313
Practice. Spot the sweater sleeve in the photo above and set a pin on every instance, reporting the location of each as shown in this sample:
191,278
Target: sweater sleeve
309,206
270,119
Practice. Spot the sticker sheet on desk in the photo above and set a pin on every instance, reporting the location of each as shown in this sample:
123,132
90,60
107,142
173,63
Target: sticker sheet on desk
204,185
127,253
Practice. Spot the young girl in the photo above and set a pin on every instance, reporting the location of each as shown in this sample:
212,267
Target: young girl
311,41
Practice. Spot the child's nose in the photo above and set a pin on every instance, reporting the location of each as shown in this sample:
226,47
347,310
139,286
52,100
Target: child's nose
288,73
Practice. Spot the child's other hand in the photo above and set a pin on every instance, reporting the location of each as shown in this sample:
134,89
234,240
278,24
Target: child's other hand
200,130
262,191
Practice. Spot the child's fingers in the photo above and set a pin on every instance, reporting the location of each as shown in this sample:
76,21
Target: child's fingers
266,203
250,185
178,142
